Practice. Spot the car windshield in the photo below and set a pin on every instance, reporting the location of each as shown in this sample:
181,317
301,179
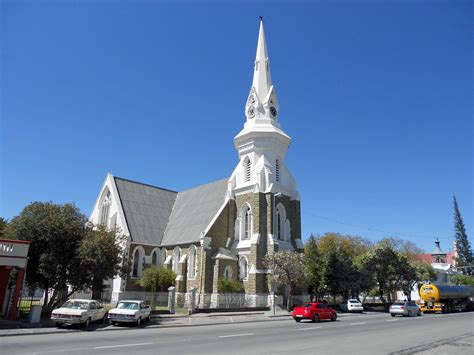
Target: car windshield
399,304
127,305
76,305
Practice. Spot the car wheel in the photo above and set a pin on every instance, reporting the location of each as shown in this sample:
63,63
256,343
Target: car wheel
87,323
139,321
104,319
393,315
316,318
409,314
59,324
419,313
334,317
297,320
147,319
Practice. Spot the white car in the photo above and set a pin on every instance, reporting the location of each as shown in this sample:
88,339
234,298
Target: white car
78,311
352,305
130,312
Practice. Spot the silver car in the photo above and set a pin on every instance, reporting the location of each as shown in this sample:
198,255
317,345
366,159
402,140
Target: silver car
405,308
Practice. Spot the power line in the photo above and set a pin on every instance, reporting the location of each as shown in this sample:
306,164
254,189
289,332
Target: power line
371,229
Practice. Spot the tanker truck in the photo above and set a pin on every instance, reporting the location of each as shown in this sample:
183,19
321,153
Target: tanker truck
446,298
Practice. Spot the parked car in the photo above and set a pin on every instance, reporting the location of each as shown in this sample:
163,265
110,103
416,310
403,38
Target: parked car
314,311
77,311
130,312
404,308
351,305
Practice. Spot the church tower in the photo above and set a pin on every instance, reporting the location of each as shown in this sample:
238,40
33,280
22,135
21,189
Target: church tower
267,202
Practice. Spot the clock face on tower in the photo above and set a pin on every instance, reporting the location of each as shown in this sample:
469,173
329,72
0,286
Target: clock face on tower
251,100
251,112
273,111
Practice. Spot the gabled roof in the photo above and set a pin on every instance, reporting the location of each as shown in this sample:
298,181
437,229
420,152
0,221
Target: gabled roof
147,209
159,216
193,211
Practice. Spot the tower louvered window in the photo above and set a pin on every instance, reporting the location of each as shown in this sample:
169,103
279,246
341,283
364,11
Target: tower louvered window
247,169
277,170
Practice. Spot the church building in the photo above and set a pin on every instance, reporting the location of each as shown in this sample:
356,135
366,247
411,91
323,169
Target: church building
223,229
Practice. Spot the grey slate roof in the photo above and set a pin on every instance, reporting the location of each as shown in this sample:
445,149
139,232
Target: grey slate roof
193,210
147,209
162,217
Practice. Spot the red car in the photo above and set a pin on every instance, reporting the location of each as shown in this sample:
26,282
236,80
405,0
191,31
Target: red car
314,311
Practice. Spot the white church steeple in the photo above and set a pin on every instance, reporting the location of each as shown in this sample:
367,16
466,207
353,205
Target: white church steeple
262,144
262,102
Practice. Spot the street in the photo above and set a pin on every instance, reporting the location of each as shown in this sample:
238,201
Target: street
374,333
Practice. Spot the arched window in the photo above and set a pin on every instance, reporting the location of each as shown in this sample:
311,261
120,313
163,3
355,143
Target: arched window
247,165
161,257
192,262
176,256
279,226
154,258
104,210
243,268
282,224
246,222
277,170
228,272
136,261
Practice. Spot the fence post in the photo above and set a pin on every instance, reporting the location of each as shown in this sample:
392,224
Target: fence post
171,299
192,300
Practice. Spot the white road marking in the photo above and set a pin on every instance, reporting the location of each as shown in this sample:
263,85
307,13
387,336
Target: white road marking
119,346
358,323
235,335
308,328
392,320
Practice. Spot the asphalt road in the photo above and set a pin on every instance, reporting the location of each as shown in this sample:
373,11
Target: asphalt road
354,334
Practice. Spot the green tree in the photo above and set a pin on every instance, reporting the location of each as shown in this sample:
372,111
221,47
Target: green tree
157,279
290,270
100,254
404,247
467,280
464,252
229,289
340,253
385,266
55,232
4,228
314,266
364,281
229,286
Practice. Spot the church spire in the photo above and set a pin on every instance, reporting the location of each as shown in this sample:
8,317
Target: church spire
262,79
262,102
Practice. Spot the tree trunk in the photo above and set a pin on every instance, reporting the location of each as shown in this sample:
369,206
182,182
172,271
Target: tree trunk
45,301
289,302
97,288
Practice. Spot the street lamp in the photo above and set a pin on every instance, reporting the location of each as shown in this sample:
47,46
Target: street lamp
275,227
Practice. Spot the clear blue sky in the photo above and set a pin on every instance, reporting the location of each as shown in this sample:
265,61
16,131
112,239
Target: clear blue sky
376,95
